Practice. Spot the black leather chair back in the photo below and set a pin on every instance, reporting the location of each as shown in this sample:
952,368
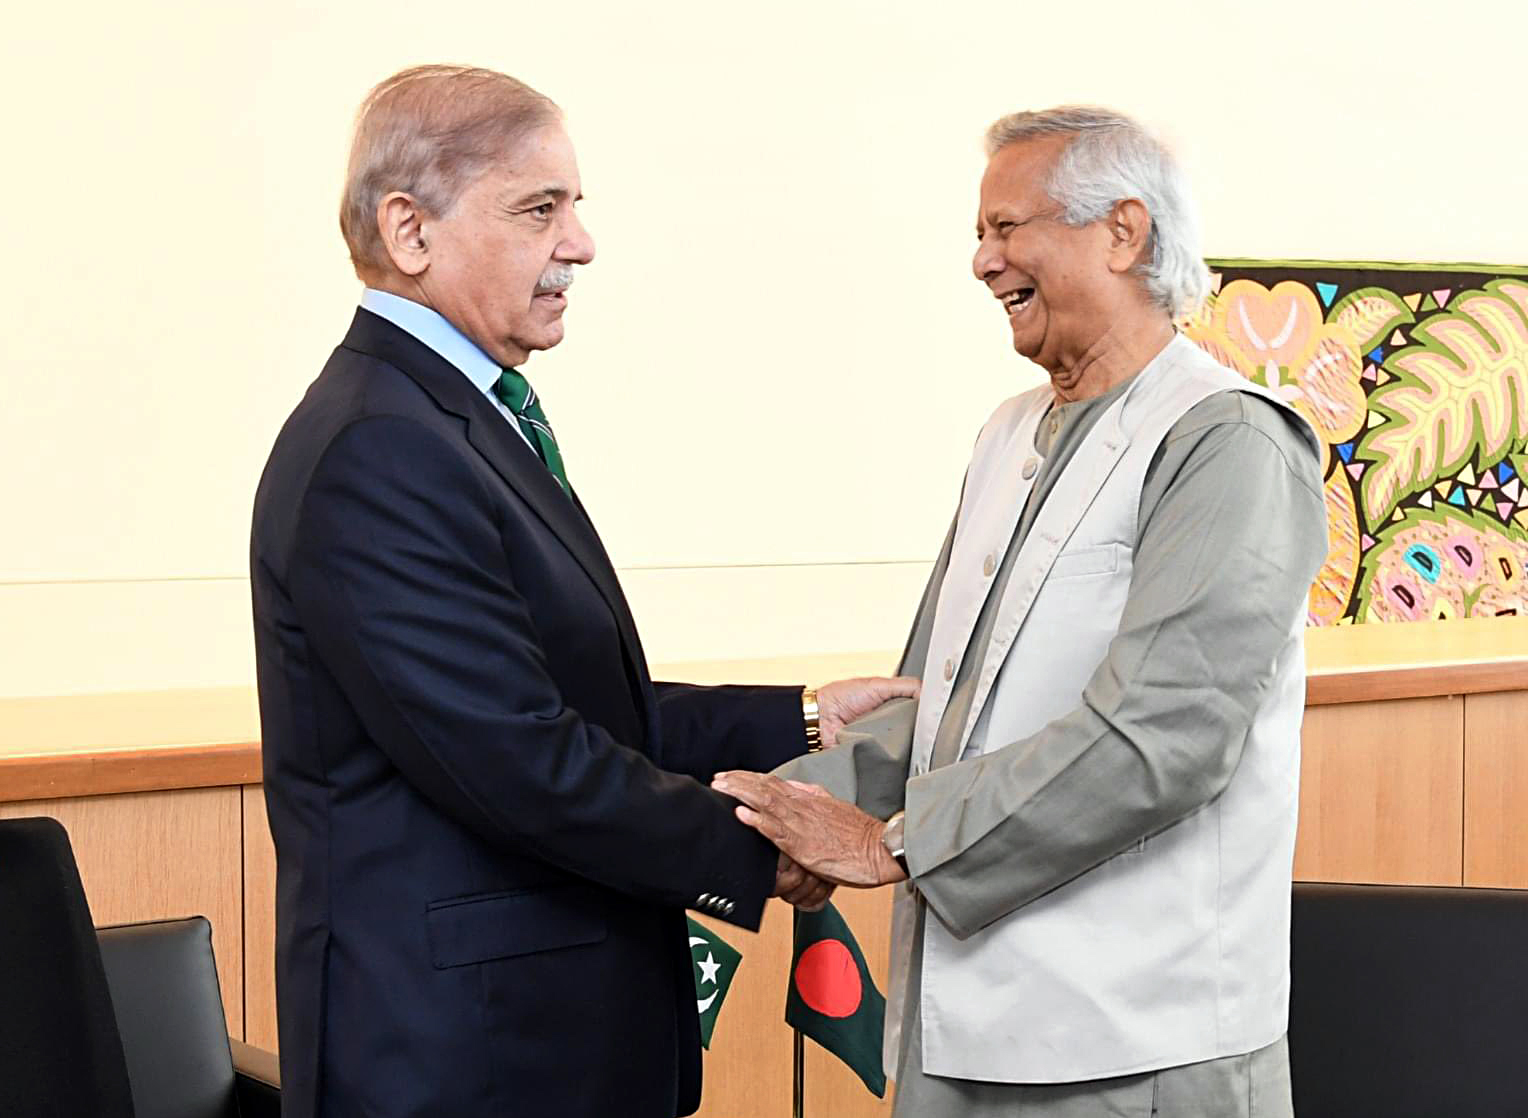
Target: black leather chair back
1409,1002
60,1056
164,985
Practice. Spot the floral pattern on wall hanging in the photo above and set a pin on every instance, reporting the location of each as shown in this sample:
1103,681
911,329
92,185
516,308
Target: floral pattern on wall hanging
1415,378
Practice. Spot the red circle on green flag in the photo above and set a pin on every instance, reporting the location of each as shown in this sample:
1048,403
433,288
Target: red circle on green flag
828,979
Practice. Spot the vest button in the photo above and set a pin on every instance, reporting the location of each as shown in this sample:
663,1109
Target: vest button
989,564
1030,466
949,670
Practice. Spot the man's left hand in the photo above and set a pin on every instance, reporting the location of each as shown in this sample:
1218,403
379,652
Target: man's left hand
827,837
842,702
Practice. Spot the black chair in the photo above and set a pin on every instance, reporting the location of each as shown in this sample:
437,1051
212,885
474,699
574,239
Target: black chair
60,1056
121,1023
1409,1002
164,986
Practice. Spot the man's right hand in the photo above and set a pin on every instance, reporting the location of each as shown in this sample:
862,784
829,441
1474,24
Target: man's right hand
804,890
844,700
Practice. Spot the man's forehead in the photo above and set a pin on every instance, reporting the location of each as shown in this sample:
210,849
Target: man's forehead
1016,175
1023,163
542,161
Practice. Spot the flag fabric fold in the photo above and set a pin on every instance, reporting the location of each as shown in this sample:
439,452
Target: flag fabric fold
832,998
716,963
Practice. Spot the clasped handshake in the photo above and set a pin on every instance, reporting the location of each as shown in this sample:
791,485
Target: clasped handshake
824,842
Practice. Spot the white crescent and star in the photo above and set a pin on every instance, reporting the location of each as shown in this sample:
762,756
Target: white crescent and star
708,968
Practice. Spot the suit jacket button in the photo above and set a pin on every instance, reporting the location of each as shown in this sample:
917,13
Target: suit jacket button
703,900
727,908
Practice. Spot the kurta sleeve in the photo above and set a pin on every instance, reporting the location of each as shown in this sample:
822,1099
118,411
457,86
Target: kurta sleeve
1233,530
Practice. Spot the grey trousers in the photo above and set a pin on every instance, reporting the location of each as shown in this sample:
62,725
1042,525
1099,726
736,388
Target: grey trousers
1254,1085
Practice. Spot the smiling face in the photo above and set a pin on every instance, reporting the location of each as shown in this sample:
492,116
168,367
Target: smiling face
498,265
1051,278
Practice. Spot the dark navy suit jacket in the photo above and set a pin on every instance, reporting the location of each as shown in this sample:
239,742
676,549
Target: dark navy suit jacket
488,819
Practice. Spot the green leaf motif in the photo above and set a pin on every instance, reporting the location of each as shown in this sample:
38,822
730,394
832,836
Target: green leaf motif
1460,394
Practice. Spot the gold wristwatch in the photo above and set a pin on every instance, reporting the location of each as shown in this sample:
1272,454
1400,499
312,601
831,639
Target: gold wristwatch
810,720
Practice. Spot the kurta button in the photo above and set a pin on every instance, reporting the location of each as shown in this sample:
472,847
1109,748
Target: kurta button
989,564
949,670
1055,425
1030,466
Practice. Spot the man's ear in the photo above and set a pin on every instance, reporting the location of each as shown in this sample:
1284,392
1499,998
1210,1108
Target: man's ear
401,225
1129,225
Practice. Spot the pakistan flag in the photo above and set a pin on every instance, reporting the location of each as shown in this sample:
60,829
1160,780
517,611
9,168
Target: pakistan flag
715,963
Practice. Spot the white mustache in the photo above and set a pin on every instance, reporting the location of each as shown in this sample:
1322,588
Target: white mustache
555,278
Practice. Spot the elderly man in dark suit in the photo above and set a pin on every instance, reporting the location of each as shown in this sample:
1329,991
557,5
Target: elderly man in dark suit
488,818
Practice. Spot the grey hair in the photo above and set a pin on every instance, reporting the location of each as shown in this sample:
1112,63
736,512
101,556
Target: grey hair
430,131
1110,158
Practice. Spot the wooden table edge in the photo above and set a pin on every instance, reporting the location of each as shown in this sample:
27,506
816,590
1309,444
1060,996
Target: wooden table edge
105,772
1357,685
91,771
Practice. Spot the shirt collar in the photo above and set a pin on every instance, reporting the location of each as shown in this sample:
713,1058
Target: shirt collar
437,332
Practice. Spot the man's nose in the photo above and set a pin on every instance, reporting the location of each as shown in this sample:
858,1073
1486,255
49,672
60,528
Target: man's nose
577,247
988,261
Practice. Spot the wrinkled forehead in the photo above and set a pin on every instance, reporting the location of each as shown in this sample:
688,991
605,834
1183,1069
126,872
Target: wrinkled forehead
1017,172
542,161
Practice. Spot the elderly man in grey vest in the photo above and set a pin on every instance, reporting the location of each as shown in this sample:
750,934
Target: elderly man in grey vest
1089,813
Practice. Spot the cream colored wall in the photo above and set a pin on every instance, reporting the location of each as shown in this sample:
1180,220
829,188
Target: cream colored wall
782,197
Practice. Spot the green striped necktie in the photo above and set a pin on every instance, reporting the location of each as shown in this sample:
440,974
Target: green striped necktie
516,394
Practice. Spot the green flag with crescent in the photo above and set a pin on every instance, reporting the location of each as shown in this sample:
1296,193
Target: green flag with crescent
716,962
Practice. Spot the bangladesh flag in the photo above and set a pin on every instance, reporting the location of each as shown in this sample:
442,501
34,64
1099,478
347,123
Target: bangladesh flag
831,997
716,962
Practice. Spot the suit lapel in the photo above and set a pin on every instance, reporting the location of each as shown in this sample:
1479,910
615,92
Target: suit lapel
521,469
525,473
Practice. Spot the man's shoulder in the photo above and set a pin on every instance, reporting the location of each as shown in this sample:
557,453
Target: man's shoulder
354,387
1232,420
355,395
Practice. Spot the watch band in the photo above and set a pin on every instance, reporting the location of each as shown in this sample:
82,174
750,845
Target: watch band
891,838
811,720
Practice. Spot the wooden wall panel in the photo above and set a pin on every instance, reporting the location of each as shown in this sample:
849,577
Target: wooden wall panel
747,1070
832,1090
1381,793
1496,790
259,923
153,855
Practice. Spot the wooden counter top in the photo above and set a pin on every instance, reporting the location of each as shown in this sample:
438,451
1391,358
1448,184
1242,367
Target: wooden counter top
83,745
1352,663
139,741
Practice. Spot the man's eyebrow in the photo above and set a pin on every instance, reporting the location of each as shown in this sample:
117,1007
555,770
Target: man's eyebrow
555,191
988,216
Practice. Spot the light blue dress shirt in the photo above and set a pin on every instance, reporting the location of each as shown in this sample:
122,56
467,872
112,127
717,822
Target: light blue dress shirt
436,331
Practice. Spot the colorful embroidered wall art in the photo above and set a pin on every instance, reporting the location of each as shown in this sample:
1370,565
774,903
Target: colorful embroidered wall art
1415,377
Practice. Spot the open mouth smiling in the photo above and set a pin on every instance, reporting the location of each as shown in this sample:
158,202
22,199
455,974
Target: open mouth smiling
1017,300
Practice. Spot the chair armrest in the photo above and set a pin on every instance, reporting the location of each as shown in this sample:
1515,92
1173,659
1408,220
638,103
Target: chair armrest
257,1080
